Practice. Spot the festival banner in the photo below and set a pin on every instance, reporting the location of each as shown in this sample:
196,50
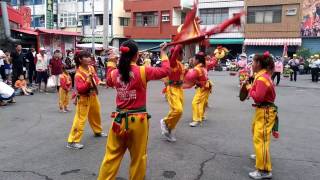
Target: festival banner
311,18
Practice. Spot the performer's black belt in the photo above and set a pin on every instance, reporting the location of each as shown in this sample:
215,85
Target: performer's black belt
175,83
124,113
264,105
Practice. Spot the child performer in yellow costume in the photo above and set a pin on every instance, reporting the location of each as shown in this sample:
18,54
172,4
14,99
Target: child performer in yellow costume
64,90
174,94
130,127
198,76
263,93
88,105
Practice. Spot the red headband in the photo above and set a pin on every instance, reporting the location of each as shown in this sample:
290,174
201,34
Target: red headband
124,49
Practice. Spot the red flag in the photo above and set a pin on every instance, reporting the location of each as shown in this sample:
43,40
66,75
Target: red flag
191,26
285,50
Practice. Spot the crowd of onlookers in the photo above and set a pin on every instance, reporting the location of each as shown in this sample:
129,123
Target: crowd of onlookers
25,72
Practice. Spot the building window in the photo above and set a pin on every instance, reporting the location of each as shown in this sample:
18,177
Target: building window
214,16
264,14
26,2
64,1
68,19
110,19
147,19
38,21
124,21
165,16
99,19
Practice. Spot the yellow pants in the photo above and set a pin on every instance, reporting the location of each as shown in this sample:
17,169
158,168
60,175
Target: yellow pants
262,124
136,142
64,98
87,107
199,103
175,99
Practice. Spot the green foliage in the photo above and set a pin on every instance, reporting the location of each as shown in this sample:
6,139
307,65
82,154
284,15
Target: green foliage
304,53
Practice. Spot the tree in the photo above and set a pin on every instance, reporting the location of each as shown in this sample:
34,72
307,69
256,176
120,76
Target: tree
304,53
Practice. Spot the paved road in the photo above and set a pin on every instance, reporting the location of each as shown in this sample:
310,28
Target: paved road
33,134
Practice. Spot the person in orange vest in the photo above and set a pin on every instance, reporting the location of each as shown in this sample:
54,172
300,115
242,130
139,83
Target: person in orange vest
265,118
88,105
198,76
174,94
130,126
64,90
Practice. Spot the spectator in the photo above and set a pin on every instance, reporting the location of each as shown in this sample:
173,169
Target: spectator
6,94
278,70
70,65
56,66
100,68
2,66
21,86
32,67
7,66
42,68
315,65
18,62
294,65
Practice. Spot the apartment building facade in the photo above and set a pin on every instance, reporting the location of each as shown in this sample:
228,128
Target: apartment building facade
213,12
272,25
76,16
153,22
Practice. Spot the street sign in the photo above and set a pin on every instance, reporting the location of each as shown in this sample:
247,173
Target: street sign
49,14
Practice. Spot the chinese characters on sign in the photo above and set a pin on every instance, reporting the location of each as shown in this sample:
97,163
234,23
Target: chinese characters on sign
49,12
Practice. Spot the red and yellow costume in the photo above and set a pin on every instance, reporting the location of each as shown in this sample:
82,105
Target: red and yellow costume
199,76
88,105
130,126
263,94
64,90
174,90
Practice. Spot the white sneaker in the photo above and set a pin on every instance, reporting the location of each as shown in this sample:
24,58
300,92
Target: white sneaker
74,145
164,128
260,175
194,124
170,137
253,156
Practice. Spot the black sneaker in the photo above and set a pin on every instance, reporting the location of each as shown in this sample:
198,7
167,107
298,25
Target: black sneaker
100,135
75,145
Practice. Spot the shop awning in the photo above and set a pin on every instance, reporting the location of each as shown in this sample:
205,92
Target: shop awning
273,42
227,41
26,31
152,40
89,40
59,32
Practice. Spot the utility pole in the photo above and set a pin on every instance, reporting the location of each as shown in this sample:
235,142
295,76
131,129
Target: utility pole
93,28
106,24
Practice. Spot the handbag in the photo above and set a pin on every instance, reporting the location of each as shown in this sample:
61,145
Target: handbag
51,81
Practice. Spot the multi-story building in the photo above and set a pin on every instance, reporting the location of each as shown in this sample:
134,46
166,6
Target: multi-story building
153,21
38,11
213,12
271,25
76,16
